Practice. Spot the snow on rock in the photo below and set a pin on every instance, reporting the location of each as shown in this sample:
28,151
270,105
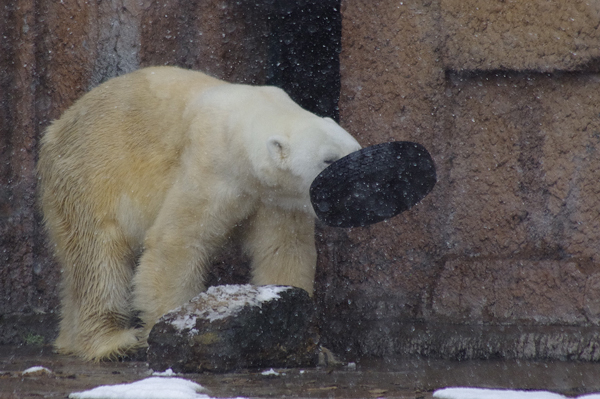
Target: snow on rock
236,326
481,393
225,301
149,388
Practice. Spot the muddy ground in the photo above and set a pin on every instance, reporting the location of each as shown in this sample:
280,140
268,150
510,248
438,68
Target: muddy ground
391,378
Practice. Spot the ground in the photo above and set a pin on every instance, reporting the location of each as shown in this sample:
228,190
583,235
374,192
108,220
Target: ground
398,378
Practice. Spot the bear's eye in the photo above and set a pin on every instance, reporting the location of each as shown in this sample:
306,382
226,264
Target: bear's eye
329,161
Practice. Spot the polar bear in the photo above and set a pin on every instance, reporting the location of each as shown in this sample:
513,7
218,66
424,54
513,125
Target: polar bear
146,176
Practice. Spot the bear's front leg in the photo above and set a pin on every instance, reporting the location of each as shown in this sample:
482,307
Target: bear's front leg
178,248
281,243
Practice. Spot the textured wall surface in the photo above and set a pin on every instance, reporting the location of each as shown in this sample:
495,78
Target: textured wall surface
542,36
53,52
501,259
504,94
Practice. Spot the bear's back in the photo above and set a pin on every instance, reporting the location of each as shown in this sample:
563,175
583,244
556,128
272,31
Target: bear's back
131,111
126,135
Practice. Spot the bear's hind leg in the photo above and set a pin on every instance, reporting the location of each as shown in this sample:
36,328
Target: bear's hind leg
281,244
96,314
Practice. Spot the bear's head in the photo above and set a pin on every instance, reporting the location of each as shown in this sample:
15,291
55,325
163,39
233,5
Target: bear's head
299,146
285,146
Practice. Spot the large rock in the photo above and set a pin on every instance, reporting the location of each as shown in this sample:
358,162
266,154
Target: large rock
236,326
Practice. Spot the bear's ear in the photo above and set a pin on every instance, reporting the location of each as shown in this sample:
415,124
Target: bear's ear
279,150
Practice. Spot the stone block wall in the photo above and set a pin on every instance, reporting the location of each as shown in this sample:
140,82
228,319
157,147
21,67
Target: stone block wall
51,54
501,259
506,96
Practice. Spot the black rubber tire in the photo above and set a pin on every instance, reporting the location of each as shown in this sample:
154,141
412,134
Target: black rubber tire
373,184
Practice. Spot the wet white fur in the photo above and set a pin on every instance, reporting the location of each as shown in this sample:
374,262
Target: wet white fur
145,177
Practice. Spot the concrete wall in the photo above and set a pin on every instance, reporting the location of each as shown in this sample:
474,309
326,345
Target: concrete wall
501,259
52,53
506,95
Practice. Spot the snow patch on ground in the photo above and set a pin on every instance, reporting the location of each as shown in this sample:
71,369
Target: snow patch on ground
273,372
224,301
270,372
166,373
36,369
481,393
149,388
